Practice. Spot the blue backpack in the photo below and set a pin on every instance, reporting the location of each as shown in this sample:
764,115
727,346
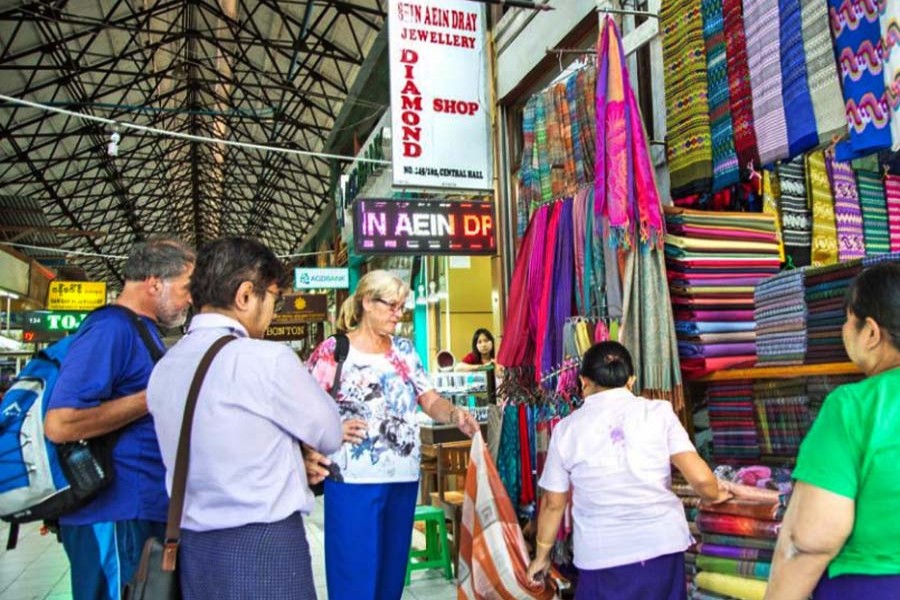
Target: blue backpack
36,475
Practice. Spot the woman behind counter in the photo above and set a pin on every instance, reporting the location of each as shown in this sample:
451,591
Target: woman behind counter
369,513
630,531
482,353
841,533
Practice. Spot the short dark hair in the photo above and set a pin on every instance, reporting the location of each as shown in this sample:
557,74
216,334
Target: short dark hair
875,294
224,264
608,364
163,258
478,333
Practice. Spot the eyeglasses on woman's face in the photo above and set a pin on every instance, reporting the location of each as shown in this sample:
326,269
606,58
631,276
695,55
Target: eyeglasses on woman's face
396,307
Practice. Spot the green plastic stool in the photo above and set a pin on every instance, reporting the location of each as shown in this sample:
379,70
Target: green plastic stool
436,554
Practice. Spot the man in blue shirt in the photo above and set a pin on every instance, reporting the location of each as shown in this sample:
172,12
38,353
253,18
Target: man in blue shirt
101,389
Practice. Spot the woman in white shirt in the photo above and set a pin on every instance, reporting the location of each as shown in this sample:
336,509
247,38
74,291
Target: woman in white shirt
614,453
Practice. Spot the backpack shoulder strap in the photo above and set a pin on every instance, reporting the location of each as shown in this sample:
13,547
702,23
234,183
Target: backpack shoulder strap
341,350
149,340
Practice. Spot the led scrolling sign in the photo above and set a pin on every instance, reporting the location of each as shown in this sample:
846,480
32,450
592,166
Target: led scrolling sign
435,227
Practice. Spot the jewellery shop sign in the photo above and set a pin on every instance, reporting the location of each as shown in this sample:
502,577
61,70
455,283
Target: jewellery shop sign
440,108
76,295
438,227
291,323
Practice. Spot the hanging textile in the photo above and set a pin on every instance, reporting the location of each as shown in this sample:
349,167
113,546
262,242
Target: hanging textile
890,36
761,21
624,165
543,293
892,198
689,148
847,214
796,218
770,193
542,153
821,70
824,229
874,212
857,38
529,180
739,94
801,126
508,455
493,559
560,290
726,171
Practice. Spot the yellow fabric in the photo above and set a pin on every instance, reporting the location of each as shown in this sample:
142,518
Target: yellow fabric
690,243
731,585
824,228
770,193
583,337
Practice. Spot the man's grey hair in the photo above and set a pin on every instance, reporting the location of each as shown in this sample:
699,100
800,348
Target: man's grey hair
163,258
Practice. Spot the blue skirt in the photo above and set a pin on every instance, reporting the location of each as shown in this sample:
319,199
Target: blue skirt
660,578
263,561
871,587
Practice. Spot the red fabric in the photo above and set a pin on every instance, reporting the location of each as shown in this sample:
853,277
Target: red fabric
471,359
740,96
543,308
527,494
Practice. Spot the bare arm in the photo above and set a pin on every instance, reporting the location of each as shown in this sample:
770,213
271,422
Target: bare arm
73,424
699,476
442,410
815,527
553,505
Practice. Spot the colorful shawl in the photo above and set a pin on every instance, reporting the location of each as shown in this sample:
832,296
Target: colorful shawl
821,70
770,193
892,198
824,228
801,126
857,40
796,218
529,179
847,214
890,36
763,51
730,566
739,94
689,148
726,170
874,211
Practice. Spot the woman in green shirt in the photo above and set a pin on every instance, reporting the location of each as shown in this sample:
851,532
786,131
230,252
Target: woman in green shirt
841,533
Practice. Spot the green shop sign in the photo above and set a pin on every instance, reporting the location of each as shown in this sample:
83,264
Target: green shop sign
51,325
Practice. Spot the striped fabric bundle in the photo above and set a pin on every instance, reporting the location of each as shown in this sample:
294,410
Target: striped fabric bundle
739,94
782,416
735,525
892,198
493,559
825,288
821,70
732,422
780,313
730,566
761,19
874,212
796,218
890,36
736,552
847,214
801,126
689,148
726,171
824,228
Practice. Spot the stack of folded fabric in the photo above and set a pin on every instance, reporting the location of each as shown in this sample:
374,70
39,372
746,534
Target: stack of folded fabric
780,315
818,387
738,536
714,261
733,423
691,502
825,290
782,417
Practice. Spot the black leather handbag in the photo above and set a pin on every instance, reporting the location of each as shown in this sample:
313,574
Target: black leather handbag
157,573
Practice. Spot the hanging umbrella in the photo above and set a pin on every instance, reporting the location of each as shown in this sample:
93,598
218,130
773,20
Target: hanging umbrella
625,194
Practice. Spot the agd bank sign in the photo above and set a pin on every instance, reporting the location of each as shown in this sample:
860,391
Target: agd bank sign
316,279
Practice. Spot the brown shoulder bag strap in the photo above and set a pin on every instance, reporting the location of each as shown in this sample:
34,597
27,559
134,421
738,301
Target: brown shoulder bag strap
179,478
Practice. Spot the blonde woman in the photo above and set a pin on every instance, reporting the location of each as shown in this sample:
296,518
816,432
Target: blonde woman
371,494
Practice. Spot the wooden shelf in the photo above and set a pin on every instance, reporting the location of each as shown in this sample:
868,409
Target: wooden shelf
781,372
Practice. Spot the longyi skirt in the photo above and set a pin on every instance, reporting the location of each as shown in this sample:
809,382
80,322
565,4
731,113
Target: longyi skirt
262,561
660,578
870,587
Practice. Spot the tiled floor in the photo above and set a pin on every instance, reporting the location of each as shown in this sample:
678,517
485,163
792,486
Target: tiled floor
38,570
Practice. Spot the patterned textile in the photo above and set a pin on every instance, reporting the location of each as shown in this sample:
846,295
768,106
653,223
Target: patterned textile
740,542
736,552
890,36
847,214
770,192
508,455
801,126
796,218
782,416
689,148
761,21
739,94
493,558
732,422
857,40
726,170
821,70
734,525
529,180
892,198
874,212
766,511
729,566
824,228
